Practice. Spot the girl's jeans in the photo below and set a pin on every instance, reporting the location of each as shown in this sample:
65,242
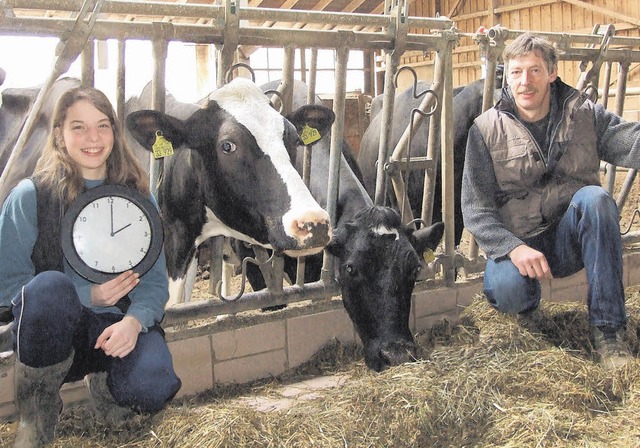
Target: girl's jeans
51,321
587,236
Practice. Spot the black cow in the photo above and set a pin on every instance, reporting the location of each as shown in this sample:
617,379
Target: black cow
467,105
231,175
378,258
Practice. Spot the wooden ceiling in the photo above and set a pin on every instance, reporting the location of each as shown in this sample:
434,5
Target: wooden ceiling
116,10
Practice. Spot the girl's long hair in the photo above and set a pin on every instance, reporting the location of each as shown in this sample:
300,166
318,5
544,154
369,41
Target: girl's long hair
55,168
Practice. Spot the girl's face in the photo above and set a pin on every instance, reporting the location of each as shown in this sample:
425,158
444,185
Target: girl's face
88,136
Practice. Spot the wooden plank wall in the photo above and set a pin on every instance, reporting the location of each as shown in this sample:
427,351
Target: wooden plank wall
571,16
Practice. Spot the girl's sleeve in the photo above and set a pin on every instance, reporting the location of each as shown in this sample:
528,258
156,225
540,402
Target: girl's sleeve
149,298
18,234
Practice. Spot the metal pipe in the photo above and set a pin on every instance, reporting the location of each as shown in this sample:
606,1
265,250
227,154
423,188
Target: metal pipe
184,312
335,154
447,164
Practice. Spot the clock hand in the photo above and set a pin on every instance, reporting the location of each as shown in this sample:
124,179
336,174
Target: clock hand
120,229
112,219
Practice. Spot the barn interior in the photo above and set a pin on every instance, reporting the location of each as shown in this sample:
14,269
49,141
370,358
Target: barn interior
449,42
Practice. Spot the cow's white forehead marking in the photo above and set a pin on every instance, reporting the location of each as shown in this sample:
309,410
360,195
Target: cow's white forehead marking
384,230
245,102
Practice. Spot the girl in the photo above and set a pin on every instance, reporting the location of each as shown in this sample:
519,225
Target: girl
65,327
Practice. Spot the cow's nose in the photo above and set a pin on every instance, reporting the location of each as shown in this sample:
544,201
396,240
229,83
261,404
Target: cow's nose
398,352
310,229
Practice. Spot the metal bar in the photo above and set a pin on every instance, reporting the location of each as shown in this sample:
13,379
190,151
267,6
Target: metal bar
429,184
184,312
335,152
449,272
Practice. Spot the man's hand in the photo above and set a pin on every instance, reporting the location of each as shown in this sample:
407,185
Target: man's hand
530,262
108,293
119,339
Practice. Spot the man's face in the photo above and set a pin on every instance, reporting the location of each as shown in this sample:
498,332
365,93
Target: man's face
530,82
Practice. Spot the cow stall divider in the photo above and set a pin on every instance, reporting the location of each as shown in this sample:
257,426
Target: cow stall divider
227,26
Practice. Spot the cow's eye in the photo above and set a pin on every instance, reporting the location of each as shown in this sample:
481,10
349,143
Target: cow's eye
228,147
351,270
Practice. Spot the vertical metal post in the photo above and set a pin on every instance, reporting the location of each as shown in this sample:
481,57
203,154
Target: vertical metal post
335,156
121,72
447,163
392,60
87,59
307,153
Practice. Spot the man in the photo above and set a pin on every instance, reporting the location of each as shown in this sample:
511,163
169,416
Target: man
532,198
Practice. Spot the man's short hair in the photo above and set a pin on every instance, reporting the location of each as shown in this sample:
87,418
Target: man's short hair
531,43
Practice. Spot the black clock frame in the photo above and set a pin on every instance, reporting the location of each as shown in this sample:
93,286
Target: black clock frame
107,190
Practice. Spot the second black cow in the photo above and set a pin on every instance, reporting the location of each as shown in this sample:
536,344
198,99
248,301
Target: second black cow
378,258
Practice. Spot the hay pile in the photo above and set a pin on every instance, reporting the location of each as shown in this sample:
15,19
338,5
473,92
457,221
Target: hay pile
486,382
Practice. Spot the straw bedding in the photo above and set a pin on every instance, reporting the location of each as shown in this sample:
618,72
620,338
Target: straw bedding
486,381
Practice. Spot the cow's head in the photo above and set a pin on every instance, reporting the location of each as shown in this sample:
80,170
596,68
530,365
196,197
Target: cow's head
379,261
239,150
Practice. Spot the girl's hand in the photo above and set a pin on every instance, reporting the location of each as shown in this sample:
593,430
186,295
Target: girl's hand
108,293
119,339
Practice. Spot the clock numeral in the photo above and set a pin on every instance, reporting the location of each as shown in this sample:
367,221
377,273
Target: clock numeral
82,219
113,269
95,204
141,218
110,200
96,263
130,263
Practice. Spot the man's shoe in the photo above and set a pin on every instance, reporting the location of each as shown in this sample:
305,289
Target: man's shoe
610,346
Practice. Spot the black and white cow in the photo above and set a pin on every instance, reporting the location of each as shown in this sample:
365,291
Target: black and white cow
467,105
377,258
232,175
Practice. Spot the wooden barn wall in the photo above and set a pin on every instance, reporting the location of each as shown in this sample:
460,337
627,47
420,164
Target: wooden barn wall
570,16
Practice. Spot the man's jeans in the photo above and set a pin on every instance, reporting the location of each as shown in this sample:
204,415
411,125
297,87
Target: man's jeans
588,235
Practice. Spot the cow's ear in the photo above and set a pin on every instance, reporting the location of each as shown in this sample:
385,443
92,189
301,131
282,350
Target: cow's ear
427,237
147,125
314,117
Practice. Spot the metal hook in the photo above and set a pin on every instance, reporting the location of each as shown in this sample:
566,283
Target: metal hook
636,214
415,81
278,94
408,158
237,66
243,277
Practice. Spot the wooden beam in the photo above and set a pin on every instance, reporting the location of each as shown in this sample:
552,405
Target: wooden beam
454,10
503,9
605,11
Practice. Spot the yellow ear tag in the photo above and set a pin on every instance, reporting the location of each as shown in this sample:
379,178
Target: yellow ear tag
428,256
162,147
309,135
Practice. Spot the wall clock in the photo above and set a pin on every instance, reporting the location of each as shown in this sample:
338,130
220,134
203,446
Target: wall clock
110,229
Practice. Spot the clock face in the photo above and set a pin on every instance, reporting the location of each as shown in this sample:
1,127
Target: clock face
111,229
111,234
